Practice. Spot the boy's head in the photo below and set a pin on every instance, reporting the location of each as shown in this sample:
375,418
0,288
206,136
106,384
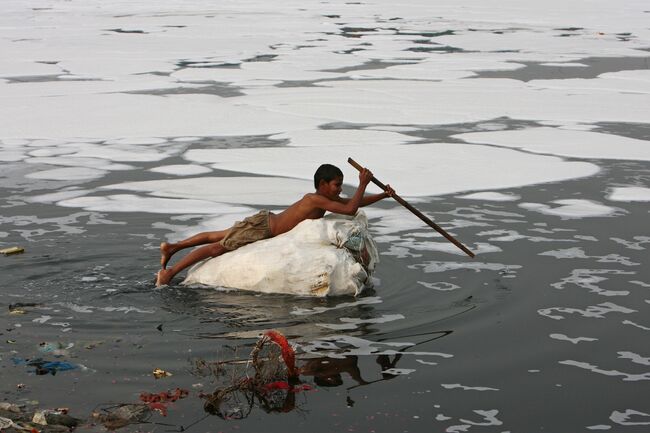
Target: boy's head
327,173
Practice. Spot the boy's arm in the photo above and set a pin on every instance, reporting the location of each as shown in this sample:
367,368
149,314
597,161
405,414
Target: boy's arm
345,206
374,198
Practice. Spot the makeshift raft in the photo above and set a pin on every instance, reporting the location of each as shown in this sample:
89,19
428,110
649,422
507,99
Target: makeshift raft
330,256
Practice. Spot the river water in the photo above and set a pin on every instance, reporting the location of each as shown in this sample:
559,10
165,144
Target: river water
522,132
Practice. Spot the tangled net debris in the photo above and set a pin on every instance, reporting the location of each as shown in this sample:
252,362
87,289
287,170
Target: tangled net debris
272,386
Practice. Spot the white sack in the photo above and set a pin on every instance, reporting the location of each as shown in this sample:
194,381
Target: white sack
330,256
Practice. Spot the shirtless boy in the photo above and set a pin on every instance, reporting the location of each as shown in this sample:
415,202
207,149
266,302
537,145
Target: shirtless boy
328,181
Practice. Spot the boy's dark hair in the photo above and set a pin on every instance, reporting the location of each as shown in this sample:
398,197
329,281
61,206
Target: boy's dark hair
326,172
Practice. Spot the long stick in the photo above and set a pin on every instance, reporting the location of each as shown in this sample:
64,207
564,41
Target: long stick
417,213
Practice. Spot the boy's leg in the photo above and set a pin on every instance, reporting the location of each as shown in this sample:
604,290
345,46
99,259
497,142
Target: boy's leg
167,250
212,250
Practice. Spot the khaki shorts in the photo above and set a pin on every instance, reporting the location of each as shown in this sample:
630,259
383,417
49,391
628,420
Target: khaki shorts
252,229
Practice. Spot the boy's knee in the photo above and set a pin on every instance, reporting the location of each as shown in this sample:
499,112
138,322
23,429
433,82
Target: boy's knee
216,249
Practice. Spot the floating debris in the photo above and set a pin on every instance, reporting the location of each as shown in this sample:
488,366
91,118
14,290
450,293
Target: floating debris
159,373
42,367
119,416
273,386
20,307
160,401
12,250
55,349
55,417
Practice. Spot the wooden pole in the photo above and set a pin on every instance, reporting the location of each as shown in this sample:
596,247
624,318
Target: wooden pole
417,213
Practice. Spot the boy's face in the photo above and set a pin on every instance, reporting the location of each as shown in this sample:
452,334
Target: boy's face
333,188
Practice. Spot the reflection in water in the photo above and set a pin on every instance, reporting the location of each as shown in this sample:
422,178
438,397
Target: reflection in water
271,386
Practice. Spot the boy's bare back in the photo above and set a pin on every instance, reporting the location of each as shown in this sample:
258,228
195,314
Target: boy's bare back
314,205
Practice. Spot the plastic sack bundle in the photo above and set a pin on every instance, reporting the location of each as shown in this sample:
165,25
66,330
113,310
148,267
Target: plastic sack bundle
331,256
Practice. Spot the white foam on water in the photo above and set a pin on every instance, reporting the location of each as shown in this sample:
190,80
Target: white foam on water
135,203
490,196
423,362
271,191
573,208
454,172
640,240
17,67
399,252
458,428
629,194
586,238
489,418
630,417
442,286
627,377
142,83
641,283
398,371
634,357
343,137
501,235
392,128
574,340
565,65
634,81
58,196
267,73
599,427
353,323
589,279
593,311
636,325
99,164
307,47
440,67
340,346
563,142
578,253
446,247
386,222
317,310
438,266
410,102
467,388
11,155
137,141
87,309
130,115
122,152
181,169
68,173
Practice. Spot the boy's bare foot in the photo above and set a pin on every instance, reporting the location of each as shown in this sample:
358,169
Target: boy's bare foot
166,252
163,277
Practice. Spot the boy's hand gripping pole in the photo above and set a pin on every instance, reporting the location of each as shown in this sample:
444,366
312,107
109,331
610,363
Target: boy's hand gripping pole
417,213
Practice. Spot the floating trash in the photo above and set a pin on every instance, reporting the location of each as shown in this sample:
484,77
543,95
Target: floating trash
273,386
119,416
12,250
160,401
6,423
55,417
21,307
56,349
43,367
159,373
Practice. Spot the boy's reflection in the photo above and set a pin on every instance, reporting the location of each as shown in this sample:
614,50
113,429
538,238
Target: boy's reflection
327,371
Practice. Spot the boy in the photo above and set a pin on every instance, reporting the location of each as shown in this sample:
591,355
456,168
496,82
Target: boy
328,180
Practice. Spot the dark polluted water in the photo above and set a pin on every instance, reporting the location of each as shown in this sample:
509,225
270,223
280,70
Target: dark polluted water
545,330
